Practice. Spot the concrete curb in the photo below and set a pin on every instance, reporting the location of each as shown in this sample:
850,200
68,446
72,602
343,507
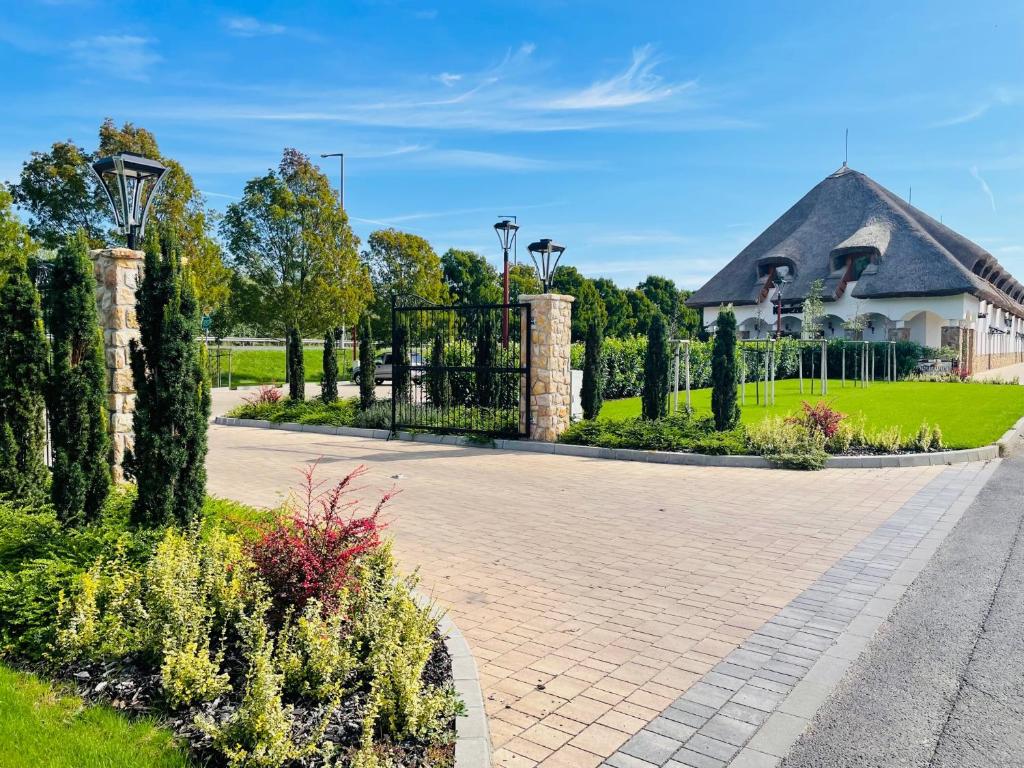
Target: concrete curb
472,736
1006,443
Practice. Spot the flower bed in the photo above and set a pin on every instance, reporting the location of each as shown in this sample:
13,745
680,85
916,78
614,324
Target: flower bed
260,638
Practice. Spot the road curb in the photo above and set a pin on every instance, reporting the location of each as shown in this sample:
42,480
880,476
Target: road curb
1007,443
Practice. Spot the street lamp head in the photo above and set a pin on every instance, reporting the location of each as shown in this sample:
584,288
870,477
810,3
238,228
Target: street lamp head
506,230
131,182
541,252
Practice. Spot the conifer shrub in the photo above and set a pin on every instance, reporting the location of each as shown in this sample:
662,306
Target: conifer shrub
401,379
23,374
296,366
438,388
77,388
654,398
723,372
592,392
172,405
367,385
329,384
483,361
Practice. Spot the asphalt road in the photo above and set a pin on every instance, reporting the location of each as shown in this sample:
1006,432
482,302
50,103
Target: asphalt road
942,682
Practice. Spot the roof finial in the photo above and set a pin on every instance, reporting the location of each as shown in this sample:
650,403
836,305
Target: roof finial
846,148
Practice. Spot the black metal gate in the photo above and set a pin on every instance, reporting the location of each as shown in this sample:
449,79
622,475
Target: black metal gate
460,369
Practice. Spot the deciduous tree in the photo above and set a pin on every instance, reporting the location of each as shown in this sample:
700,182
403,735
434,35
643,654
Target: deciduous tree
470,278
621,323
588,307
404,265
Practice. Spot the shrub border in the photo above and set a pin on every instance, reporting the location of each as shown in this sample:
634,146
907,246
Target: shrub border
1006,444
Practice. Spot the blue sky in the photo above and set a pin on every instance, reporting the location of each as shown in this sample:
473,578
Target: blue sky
647,137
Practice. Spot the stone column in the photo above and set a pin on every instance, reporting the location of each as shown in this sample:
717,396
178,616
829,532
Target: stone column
118,274
550,345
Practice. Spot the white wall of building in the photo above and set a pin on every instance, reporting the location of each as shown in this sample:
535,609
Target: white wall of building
923,316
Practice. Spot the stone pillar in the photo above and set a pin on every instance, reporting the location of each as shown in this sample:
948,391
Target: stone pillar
549,387
118,274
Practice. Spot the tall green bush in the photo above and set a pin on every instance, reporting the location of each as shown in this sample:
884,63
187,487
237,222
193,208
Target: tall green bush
296,366
723,372
329,383
366,365
77,388
22,385
173,401
654,399
401,381
438,389
484,362
592,390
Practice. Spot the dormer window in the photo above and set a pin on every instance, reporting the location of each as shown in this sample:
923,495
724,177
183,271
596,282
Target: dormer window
852,263
775,268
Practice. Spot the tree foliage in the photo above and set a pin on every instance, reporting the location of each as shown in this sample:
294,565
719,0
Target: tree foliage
61,195
401,382
592,391
522,279
483,361
470,278
403,265
588,307
643,310
23,369
621,323
296,366
367,385
16,247
329,384
76,395
654,399
294,249
814,311
173,397
723,372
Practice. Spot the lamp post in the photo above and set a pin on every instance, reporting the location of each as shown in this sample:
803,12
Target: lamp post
544,249
131,182
341,180
506,229
781,273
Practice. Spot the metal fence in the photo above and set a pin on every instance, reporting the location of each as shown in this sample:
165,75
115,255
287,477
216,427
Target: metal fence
455,369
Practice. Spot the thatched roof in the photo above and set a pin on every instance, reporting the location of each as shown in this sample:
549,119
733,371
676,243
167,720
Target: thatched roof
848,213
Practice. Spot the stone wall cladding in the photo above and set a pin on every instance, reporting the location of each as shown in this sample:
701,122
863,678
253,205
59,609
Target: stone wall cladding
550,386
118,274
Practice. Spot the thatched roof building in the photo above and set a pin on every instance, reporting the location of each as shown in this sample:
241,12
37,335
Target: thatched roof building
850,228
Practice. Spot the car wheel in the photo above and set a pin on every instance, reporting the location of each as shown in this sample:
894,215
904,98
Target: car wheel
378,382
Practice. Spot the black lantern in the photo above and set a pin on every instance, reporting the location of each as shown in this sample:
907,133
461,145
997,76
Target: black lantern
131,182
544,250
506,229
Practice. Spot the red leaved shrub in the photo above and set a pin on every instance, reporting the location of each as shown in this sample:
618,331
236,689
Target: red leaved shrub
267,394
819,418
309,553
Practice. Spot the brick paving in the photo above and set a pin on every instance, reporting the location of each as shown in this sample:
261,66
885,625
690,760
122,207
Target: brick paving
593,593
749,709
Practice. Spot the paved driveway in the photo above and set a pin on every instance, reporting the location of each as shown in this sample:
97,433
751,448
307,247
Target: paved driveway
592,592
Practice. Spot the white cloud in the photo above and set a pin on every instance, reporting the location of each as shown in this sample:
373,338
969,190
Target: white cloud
999,96
248,26
638,84
447,78
128,57
984,186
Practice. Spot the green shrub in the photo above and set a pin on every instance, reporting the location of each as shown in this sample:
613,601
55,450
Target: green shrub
591,393
654,399
723,372
788,443
329,383
366,364
296,366
314,652
436,380
678,432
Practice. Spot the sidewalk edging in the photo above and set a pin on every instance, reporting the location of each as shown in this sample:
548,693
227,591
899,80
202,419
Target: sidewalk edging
939,458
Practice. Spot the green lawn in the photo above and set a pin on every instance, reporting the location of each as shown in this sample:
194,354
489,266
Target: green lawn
44,728
266,366
970,415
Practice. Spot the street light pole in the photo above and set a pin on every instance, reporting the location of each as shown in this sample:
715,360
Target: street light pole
341,180
506,229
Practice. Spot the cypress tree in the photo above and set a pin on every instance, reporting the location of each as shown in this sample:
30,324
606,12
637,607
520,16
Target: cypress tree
654,401
77,388
173,401
23,367
592,391
296,366
723,372
400,379
484,362
367,392
329,387
438,390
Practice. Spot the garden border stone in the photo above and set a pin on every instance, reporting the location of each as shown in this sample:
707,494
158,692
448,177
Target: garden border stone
1010,441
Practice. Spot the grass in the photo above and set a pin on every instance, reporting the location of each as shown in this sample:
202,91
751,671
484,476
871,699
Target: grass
266,366
43,727
970,415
